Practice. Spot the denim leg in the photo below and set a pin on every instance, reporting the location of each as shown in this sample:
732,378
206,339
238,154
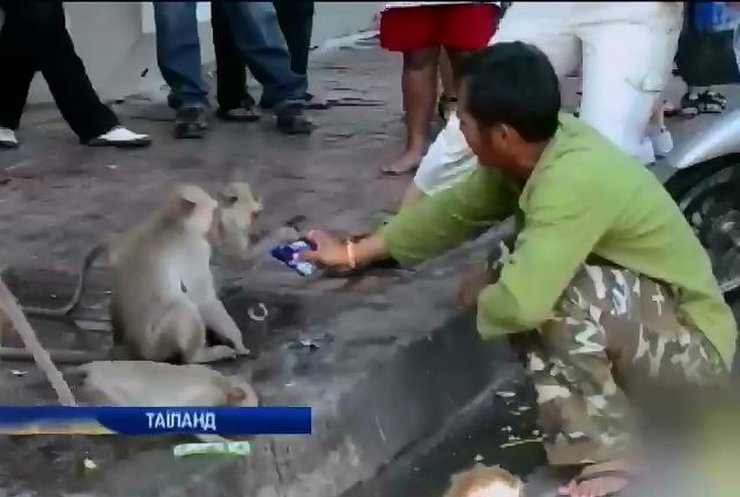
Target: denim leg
178,51
257,35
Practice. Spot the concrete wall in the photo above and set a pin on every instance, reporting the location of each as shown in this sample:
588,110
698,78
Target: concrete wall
116,41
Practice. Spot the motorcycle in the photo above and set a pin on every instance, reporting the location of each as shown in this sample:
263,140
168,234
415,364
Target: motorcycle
702,173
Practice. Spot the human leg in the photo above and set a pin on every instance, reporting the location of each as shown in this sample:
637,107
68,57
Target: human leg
178,51
449,159
234,102
257,35
14,85
295,18
413,32
448,94
613,338
626,66
178,57
43,36
296,23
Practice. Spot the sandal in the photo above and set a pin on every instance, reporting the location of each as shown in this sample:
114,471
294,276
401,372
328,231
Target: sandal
712,102
690,105
246,112
613,473
442,106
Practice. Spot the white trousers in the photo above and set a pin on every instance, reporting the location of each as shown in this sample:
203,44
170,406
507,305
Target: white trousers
625,50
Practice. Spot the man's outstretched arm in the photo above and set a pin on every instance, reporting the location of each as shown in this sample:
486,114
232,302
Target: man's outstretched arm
425,229
441,221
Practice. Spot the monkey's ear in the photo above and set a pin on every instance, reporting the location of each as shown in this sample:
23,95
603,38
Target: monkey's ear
228,196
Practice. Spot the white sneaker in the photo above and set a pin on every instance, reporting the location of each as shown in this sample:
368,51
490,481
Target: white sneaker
645,154
120,137
7,138
662,141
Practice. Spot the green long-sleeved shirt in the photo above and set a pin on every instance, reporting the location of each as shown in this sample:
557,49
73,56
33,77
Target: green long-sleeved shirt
585,197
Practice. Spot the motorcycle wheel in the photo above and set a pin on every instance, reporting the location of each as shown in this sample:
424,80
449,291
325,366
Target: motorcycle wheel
708,194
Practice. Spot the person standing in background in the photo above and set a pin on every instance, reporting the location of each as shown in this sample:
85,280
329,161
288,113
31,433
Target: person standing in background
254,36
626,50
295,18
419,30
178,57
33,38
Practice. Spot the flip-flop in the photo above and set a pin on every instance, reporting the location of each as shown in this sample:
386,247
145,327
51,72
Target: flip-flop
239,114
391,172
711,103
616,473
690,105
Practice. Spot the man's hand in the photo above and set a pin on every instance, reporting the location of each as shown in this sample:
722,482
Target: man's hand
331,253
472,283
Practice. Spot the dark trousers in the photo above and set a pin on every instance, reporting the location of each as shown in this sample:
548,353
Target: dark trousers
295,18
34,38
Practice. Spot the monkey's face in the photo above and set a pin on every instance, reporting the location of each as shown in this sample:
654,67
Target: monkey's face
237,214
239,206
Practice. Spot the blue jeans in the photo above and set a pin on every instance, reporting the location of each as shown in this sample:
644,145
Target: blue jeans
178,52
256,33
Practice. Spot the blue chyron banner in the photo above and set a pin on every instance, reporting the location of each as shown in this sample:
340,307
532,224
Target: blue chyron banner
55,420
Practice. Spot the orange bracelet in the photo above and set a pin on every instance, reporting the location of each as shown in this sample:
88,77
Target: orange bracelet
351,254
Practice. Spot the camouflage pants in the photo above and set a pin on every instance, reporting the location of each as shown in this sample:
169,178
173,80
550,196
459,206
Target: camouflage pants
612,334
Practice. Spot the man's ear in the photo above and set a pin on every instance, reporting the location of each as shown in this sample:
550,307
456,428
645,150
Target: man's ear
508,133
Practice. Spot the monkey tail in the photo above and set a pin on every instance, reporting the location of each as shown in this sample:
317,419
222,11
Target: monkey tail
74,302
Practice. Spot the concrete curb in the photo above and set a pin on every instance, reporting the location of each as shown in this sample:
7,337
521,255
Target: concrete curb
389,378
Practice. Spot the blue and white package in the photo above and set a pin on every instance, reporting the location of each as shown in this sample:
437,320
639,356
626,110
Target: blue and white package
288,255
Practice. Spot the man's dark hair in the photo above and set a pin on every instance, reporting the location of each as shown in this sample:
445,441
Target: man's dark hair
515,84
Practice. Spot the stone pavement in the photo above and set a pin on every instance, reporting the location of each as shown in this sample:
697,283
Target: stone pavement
394,361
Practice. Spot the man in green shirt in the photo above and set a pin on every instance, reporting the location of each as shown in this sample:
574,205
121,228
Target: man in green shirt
605,269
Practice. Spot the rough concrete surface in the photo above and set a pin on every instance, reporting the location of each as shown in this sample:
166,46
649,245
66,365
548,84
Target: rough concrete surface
393,362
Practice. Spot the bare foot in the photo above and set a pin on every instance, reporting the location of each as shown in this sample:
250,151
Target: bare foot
407,163
598,480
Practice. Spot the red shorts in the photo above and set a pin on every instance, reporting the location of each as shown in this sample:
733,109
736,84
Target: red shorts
465,27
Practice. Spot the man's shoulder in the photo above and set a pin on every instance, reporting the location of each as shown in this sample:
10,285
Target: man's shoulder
581,151
586,164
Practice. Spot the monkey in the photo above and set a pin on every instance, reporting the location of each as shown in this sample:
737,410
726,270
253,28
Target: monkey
485,481
157,384
163,294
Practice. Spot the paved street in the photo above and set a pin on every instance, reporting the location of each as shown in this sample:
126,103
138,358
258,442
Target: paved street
57,198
